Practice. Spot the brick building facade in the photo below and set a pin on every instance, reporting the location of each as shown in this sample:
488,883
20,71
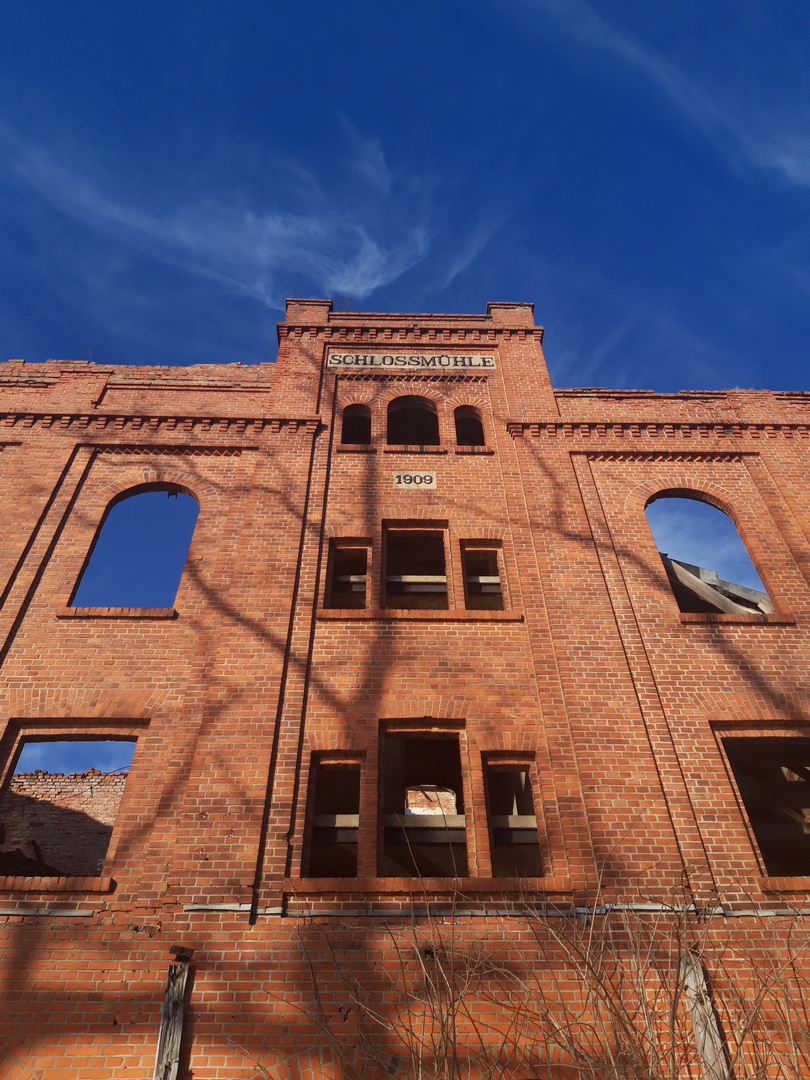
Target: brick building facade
373,626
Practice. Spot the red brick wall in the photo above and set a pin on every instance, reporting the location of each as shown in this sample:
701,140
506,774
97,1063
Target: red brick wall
70,817
589,675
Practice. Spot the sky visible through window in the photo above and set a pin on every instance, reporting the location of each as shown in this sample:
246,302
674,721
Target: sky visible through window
140,554
67,756
698,533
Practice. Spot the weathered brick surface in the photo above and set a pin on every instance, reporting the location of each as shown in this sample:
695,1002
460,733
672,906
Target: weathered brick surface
589,676
70,817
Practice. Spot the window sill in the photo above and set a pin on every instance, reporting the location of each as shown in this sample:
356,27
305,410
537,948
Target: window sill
786,884
56,884
355,448
116,613
485,450
779,618
408,448
419,615
525,888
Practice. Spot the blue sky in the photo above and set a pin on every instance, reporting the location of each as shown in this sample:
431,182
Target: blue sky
67,756
138,558
170,172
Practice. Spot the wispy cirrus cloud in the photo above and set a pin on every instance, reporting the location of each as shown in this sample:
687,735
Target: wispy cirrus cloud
736,111
341,241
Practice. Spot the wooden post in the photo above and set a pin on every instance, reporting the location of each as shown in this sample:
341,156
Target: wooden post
167,1060
708,1039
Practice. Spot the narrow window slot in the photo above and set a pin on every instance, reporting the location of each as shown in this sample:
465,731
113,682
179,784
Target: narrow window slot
335,802
469,429
356,426
349,575
515,849
424,827
482,579
416,575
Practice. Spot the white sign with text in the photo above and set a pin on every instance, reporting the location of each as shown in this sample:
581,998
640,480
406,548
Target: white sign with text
414,481
429,362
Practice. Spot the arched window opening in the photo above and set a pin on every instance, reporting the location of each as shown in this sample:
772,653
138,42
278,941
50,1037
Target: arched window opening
704,557
356,425
139,551
413,420
469,429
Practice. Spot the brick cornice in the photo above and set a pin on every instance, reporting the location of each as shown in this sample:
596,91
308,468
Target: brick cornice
92,422
479,330
665,429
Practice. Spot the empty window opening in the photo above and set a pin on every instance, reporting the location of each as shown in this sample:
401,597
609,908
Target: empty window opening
424,833
59,807
469,429
415,571
413,420
704,557
139,551
356,425
482,579
349,575
773,778
514,848
335,810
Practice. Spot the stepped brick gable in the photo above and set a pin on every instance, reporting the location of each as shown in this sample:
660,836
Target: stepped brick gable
426,699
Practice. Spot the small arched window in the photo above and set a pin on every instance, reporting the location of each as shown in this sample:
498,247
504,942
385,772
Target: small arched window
469,429
356,425
139,551
705,559
413,420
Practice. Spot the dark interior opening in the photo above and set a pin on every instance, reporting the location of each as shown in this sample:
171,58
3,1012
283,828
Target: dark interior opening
482,579
773,778
349,575
422,845
469,429
413,421
415,572
356,425
335,803
515,849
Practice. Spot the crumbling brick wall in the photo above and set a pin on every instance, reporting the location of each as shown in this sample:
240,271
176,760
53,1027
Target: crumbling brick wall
64,821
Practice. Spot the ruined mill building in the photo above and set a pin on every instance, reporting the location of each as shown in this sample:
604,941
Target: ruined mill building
426,673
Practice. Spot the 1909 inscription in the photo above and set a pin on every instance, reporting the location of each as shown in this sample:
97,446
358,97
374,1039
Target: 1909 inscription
410,360
415,481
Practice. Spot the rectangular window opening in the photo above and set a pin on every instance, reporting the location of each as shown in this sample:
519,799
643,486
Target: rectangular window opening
515,848
773,778
59,807
348,574
335,820
482,579
415,571
424,827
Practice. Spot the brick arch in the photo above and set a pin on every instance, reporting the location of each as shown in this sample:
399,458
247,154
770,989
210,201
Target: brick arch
489,740
722,498
135,476
432,393
84,702
426,708
349,739
360,395
476,398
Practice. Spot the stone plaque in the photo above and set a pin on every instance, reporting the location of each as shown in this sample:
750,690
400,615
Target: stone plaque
411,361
415,481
